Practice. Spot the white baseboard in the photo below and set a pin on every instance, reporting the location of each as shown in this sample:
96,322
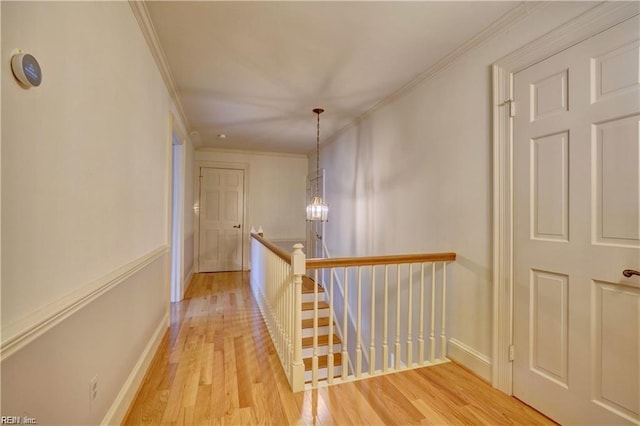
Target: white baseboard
187,282
470,358
128,392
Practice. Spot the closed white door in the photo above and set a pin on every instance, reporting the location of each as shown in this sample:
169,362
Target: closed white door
221,219
577,227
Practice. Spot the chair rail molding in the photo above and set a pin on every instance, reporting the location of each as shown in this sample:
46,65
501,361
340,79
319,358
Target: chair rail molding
597,19
20,333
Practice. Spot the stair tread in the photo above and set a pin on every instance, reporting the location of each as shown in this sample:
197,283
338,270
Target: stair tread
323,340
322,322
308,306
323,361
308,284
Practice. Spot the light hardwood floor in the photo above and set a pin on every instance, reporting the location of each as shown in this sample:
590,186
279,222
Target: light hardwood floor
217,365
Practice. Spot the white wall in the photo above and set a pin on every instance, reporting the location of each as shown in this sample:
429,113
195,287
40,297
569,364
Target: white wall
276,191
85,197
416,176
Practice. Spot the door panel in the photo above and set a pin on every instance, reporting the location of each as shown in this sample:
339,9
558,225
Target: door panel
577,227
550,179
549,326
617,183
616,368
221,219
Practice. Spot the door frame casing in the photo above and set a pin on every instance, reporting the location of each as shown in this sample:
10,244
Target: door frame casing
594,21
196,196
175,288
178,178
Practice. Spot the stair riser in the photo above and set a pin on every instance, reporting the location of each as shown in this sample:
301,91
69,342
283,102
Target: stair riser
321,313
322,373
322,350
308,332
308,297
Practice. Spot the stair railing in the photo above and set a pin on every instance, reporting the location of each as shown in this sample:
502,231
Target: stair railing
399,306
390,315
276,282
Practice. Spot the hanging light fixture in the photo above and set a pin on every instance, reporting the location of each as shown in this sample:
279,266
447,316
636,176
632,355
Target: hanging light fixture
317,210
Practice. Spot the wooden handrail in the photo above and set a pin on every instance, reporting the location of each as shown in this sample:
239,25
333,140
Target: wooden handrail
282,254
339,262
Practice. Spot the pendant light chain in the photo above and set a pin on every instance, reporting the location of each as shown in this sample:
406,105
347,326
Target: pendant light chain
318,156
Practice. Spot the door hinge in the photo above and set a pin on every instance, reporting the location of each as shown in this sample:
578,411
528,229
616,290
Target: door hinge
512,353
512,107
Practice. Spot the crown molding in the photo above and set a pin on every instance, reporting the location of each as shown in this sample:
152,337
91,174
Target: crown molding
595,20
501,24
250,152
141,13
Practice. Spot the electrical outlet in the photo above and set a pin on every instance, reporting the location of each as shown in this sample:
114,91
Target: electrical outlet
93,389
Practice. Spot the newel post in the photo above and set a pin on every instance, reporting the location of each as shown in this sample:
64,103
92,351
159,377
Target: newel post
298,261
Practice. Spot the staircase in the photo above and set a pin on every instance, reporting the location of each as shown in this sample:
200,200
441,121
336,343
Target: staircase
324,316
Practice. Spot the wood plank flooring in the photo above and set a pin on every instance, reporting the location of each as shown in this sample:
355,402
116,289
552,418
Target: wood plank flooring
217,365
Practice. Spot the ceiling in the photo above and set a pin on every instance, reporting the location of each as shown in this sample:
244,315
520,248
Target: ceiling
253,71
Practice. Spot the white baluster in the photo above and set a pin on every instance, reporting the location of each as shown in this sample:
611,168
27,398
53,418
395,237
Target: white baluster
298,265
443,336
385,320
410,320
359,326
288,321
421,334
372,339
279,299
397,346
330,358
314,361
345,328
278,284
432,334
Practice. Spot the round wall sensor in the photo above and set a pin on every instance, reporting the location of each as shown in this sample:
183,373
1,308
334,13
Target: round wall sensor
26,69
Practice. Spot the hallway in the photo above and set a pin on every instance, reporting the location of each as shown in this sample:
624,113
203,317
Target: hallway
217,365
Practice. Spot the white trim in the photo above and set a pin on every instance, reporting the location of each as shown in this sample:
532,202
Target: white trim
129,390
187,282
598,19
501,24
477,362
176,234
502,242
141,13
20,333
250,152
198,164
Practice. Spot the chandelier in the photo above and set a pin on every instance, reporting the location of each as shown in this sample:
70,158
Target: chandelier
317,210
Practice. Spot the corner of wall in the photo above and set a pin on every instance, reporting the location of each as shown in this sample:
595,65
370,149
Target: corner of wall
465,355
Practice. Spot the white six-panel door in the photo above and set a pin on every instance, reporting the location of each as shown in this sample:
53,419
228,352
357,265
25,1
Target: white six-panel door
577,227
221,218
